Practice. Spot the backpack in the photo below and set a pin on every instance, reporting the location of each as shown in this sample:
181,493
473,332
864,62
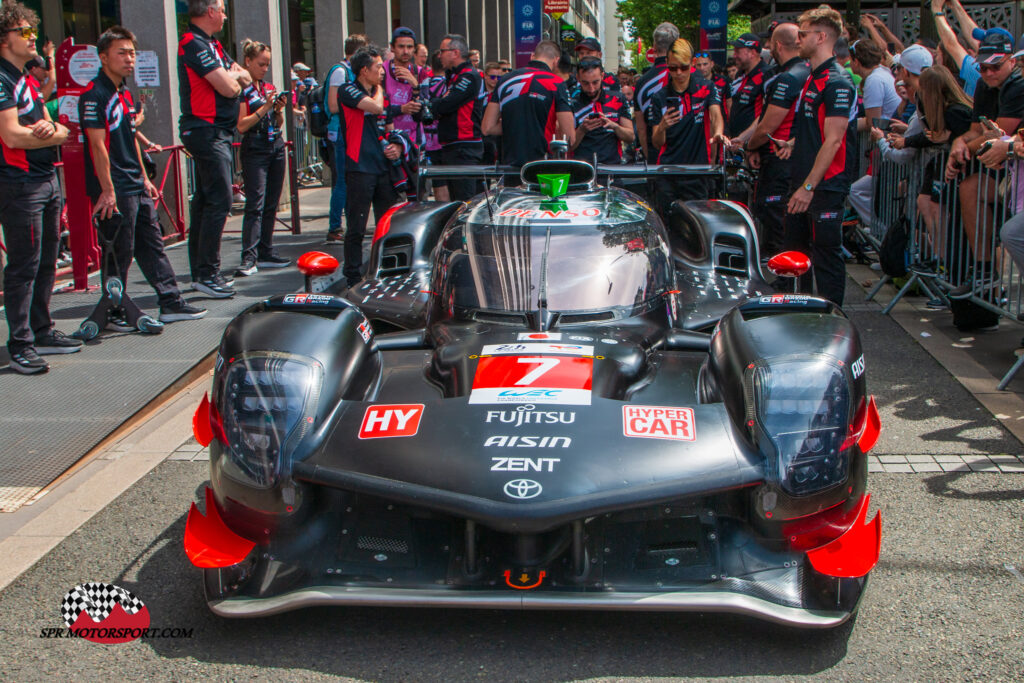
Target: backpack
892,253
319,113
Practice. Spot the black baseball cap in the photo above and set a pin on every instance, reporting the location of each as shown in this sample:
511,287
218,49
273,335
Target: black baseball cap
751,40
994,48
403,32
589,44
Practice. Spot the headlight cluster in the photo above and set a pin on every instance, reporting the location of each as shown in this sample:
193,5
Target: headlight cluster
802,409
267,406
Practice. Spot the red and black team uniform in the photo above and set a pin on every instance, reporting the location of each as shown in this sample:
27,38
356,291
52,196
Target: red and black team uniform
601,141
529,98
262,156
110,108
686,142
367,171
818,232
722,85
748,100
207,124
30,206
652,80
458,114
772,192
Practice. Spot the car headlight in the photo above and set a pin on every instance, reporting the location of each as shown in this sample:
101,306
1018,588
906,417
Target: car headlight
802,410
267,406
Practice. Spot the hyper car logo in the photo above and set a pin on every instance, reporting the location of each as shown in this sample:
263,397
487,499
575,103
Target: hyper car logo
523,489
104,613
389,421
658,422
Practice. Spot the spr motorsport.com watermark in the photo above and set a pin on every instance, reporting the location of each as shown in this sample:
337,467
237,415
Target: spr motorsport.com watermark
108,614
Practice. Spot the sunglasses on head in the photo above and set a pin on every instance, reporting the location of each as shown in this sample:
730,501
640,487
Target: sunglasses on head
27,32
680,67
703,55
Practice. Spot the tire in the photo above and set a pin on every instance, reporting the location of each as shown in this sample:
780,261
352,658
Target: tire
87,330
115,290
149,325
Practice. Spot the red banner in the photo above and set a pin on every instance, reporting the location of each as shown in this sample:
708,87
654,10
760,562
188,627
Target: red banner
556,8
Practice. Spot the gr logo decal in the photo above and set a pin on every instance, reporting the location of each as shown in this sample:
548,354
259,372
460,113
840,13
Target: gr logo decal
389,421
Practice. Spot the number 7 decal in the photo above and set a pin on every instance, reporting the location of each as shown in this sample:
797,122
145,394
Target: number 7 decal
543,366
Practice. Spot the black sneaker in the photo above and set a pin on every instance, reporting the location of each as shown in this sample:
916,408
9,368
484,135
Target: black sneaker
57,342
28,362
182,310
247,267
224,280
986,282
212,288
273,261
335,237
117,323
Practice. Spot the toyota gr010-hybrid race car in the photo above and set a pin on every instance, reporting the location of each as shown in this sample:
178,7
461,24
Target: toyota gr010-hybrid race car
542,398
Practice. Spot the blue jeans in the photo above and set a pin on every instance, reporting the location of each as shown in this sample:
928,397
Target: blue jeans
339,189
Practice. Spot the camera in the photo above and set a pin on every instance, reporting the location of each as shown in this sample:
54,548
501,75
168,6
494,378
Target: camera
426,114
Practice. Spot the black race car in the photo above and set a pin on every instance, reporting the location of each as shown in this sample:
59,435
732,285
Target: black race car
543,399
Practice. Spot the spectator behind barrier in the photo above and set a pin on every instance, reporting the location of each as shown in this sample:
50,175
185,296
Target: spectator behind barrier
337,76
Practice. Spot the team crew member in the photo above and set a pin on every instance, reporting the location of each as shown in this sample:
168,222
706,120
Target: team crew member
589,48
367,163
338,75
652,80
602,117
781,92
703,63
528,107
492,143
748,99
209,83
458,114
823,159
402,81
114,177
260,121
685,119
30,199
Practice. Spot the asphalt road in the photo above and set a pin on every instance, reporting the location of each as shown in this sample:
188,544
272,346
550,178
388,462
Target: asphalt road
941,605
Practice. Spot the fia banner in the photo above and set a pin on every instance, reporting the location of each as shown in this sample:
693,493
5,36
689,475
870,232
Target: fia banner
714,28
528,23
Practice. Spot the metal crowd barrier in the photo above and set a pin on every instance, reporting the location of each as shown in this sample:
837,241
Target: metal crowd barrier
942,253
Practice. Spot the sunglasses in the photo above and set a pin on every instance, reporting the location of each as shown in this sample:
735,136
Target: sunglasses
991,67
703,55
27,32
681,67
494,77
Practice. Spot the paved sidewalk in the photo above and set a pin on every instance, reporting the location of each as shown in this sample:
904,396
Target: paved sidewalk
49,422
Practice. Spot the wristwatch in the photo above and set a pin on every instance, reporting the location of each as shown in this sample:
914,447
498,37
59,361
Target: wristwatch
809,187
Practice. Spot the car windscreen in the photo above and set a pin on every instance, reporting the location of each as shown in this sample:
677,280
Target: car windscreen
572,267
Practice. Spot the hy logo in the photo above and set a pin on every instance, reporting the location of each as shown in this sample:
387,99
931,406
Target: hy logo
104,613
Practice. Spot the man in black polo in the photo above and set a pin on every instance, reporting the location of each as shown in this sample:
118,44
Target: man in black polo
748,99
589,48
530,106
114,178
823,155
602,117
364,122
458,114
30,199
209,83
652,80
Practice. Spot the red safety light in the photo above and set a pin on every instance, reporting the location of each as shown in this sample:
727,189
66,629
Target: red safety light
317,264
209,543
789,264
384,224
856,552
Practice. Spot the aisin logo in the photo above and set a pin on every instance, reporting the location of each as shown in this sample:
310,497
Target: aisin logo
104,613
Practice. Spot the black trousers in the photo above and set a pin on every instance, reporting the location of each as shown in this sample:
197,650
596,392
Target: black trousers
262,177
668,190
459,154
818,234
770,198
140,235
30,214
211,152
364,189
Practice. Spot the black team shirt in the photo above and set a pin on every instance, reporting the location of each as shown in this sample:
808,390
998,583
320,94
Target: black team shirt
529,98
201,105
687,141
602,141
362,130
459,111
1006,101
748,100
109,108
652,80
23,165
827,92
782,90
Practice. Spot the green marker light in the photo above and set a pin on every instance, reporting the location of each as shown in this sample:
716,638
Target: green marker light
553,184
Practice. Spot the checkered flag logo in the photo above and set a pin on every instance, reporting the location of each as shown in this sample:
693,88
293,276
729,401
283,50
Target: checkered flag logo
98,601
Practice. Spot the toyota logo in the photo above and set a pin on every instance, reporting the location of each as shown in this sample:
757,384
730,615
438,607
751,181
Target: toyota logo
523,489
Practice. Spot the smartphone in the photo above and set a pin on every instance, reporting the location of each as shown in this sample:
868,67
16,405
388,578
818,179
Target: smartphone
283,94
884,125
985,146
593,115
776,140
674,102
986,123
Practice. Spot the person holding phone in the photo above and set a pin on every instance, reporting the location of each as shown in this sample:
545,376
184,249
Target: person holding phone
260,120
602,117
685,120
